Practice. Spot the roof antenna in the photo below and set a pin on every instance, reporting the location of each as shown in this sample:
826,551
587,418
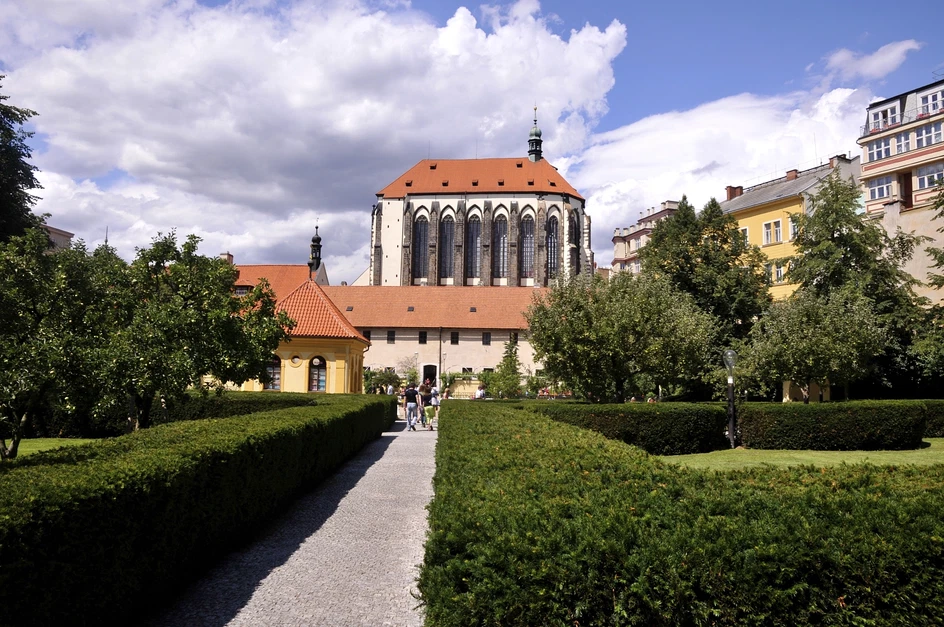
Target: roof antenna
106,236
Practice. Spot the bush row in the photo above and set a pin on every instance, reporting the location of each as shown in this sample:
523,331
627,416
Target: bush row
845,426
535,522
935,427
94,531
658,428
195,406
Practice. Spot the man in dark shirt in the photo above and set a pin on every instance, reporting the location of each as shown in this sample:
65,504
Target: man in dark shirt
412,402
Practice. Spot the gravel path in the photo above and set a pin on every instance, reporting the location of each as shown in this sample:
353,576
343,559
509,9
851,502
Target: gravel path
345,554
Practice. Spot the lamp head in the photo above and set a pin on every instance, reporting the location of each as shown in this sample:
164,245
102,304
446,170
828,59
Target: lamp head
730,358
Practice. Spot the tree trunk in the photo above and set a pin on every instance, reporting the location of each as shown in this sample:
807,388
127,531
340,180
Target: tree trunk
9,452
142,407
620,390
805,388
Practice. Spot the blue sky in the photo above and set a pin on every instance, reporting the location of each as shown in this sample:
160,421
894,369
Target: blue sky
248,121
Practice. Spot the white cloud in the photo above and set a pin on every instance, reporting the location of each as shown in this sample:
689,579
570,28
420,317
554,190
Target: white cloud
851,65
740,140
244,122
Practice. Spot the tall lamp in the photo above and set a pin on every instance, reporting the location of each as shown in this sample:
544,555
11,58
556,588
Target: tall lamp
730,358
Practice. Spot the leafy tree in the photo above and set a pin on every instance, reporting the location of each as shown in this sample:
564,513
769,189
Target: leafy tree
16,173
816,339
597,336
838,249
381,379
178,321
507,379
409,369
928,348
707,256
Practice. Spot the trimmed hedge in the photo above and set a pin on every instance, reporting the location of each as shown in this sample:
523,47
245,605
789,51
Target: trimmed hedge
844,426
658,428
535,522
195,406
96,531
935,427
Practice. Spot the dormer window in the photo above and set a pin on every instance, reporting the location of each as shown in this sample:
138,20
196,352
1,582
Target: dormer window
445,182
432,166
931,102
501,182
409,183
475,182
531,182
349,308
553,184
410,308
884,118
518,164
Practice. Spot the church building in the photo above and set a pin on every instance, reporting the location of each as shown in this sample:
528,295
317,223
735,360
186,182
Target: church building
467,222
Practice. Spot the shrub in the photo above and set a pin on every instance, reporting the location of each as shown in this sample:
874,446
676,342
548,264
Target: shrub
90,532
658,428
845,426
535,522
935,427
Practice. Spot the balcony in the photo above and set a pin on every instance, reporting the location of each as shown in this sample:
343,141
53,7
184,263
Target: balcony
913,115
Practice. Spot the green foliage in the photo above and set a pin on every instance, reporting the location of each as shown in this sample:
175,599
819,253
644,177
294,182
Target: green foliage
708,257
16,173
847,426
227,404
486,378
935,428
598,337
535,522
935,279
506,382
840,250
91,533
657,428
381,379
812,339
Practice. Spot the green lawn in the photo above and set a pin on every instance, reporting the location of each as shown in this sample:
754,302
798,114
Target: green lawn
34,445
742,458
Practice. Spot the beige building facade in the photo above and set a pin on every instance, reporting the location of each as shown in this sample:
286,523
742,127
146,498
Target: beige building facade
627,242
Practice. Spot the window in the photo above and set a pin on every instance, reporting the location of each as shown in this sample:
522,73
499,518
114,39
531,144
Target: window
927,135
553,237
316,375
793,229
929,175
454,337
466,370
902,142
778,270
880,188
274,370
473,241
241,290
447,240
932,103
486,338
744,234
391,337
422,337
421,248
769,271
885,117
488,370
772,234
366,335
880,148
500,248
527,248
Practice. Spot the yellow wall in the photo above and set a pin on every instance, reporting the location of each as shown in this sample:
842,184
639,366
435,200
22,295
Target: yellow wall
344,365
754,219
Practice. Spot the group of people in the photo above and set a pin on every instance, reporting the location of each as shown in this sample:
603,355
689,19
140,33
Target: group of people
421,403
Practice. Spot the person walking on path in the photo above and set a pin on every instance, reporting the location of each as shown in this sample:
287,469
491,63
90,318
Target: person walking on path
412,402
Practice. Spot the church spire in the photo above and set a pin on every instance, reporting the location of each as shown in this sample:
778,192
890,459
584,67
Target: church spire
314,261
534,140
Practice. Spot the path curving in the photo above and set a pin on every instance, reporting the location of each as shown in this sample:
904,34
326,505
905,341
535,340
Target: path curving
346,554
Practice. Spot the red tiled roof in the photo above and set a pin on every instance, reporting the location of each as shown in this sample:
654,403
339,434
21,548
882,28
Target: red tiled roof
316,315
444,306
283,278
469,176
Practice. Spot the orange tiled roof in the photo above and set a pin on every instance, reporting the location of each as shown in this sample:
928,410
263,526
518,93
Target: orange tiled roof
283,278
316,315
487,176
446,306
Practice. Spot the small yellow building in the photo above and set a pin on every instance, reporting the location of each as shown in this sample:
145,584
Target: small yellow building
325,353
763,214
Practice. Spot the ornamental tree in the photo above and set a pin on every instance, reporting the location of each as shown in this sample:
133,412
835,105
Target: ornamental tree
816,339
598,337
506,382
16,173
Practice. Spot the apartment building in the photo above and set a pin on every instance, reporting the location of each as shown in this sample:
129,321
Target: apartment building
902,144
627,242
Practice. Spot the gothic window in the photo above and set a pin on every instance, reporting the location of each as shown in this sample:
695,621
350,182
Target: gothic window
274,370
473,247
573,249
316,375
500,248
447,237
421,248
553,247
527,248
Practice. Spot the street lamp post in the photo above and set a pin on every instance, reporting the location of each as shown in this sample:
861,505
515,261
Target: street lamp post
730,358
